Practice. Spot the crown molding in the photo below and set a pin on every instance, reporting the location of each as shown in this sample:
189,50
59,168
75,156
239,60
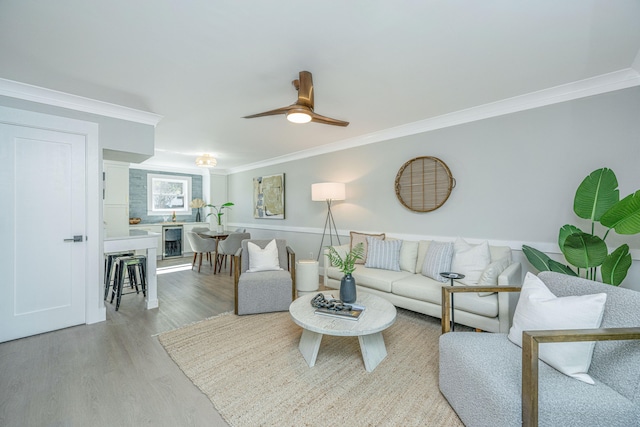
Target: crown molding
604,83
56,98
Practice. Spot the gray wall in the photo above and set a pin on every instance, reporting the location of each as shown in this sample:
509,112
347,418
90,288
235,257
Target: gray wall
138,196
516,177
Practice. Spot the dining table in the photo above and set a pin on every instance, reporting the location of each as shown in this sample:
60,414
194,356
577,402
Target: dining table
218,235
213,234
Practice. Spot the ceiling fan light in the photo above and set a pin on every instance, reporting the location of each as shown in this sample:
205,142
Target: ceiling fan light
206,161
298,116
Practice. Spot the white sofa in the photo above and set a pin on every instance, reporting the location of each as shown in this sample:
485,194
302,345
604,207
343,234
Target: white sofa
411,290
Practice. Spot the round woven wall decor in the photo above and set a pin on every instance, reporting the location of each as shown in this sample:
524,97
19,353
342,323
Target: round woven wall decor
423,184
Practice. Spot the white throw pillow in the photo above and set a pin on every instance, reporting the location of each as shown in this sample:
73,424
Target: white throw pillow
408,255
384,254
263,259
470,260
489,276
438,260
539,309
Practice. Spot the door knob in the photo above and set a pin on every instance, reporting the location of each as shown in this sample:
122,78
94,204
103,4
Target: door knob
75,239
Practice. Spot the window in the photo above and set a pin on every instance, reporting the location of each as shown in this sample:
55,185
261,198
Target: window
167,194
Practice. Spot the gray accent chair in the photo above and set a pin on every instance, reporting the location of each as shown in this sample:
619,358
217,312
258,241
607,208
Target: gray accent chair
264,291
489,381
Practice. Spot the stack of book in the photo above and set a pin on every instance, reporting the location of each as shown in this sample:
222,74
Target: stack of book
352,313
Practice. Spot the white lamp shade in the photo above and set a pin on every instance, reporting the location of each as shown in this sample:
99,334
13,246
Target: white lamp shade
327,191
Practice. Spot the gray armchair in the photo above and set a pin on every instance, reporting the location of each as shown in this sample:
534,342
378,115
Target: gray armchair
488,380
264,291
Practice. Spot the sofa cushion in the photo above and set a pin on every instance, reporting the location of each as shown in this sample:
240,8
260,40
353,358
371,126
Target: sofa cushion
470,260
357,237
539,309
422,288
489,276
373,278
499,252
437,260
408,255
383,254
423,247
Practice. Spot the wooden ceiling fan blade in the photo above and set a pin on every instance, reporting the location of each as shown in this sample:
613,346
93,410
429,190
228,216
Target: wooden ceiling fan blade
305,89
282,110
303,108
317,118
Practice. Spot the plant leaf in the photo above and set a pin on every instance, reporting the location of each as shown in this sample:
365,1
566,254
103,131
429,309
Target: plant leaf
566,231
624,216
615,267
561,268
596,194
584,250
346,264
539,260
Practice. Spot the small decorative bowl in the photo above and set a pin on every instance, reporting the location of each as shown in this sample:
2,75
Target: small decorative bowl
134,220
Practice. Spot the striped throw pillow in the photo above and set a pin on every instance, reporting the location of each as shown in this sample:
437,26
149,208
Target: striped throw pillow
438,260
384,254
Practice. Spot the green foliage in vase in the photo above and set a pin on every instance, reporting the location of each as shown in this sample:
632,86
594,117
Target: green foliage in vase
597,199
347,264
218,211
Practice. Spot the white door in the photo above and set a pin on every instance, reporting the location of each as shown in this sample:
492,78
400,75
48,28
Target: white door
42,196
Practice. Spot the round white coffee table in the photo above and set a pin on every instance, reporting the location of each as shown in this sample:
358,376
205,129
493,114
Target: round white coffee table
378,315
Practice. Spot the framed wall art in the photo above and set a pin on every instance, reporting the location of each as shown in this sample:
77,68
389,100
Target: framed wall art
268,196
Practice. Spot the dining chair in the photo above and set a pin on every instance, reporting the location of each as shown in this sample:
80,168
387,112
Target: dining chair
229,246
200,246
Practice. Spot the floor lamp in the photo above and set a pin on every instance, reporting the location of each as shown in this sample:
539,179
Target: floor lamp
328,191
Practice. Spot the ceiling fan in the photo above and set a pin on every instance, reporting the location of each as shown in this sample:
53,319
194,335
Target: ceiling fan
302,110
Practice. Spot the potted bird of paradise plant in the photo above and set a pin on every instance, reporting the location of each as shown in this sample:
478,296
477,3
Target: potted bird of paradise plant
218,213
597,200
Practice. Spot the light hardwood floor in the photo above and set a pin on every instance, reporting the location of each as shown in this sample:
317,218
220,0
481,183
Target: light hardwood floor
115,373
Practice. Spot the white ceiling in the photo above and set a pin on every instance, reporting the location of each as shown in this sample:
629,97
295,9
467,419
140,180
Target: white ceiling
203,64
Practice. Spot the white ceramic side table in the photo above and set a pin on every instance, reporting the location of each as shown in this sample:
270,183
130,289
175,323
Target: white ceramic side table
307,279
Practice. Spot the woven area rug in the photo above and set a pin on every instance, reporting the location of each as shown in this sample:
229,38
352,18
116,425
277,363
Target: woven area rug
251,369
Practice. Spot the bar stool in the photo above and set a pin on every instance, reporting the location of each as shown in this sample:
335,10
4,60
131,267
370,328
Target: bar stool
110,269
132,268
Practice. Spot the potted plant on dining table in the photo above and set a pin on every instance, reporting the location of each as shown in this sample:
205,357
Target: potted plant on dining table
218,213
